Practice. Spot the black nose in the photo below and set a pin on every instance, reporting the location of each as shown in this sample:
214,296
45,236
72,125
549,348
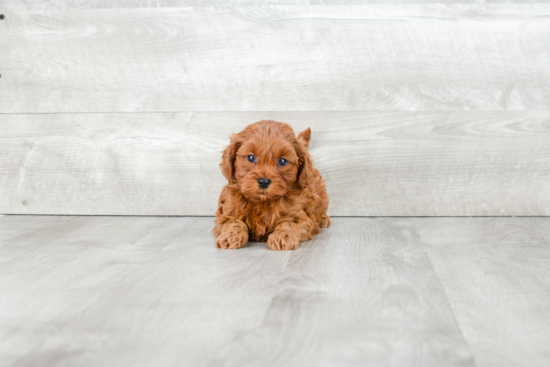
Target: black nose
264,182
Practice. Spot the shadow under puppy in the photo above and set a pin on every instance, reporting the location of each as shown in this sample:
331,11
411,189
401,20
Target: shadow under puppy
273,193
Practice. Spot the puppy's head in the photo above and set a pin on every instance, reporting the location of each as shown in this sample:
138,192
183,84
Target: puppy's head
266,160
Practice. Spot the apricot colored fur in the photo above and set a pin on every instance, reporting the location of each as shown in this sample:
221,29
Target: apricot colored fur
290,210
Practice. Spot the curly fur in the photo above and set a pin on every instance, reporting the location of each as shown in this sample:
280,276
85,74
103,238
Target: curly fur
290,210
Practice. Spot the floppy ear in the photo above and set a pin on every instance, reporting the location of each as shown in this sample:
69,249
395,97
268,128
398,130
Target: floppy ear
304,136
228,158
305,166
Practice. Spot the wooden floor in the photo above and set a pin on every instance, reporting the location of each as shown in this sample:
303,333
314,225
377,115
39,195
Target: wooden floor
154,291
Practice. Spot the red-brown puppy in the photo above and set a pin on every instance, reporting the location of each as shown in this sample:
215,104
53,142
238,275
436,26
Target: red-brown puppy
273,192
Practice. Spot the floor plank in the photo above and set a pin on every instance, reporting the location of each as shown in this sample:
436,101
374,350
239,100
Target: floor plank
361,294
496,274
141,291
14,228
36,231
180,308
47,280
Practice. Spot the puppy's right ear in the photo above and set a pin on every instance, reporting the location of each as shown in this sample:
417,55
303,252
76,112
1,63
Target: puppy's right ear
228,158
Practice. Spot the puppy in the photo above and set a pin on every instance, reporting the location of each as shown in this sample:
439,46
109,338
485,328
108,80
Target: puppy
273,192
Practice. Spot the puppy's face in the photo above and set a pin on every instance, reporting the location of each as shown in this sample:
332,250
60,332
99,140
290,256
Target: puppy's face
266,167
265,160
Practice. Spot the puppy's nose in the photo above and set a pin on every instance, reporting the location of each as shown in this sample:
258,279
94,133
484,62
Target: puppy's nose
264,182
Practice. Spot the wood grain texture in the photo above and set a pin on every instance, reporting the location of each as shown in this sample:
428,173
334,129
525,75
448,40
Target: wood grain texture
105,291
110,4
49,278
16,228
276,58
187,302
362,293
375,163
496,275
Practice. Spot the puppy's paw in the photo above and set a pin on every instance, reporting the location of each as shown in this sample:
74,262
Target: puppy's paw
325,221
283,241
231,239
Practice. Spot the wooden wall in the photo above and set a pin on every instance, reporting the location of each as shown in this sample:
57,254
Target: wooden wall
124,107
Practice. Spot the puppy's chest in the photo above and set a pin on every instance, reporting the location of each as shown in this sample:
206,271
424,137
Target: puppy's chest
261,223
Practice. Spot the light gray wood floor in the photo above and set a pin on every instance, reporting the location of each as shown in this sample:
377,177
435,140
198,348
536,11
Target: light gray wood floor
154,291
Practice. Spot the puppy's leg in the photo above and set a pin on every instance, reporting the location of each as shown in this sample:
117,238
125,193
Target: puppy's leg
233,235
325,221
285,237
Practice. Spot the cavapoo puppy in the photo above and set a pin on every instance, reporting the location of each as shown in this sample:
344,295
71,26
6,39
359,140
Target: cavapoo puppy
273,192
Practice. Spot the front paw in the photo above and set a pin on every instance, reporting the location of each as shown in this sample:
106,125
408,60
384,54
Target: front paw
283,241
325,221
231,239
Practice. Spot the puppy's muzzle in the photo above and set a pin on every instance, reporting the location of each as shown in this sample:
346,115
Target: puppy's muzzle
264,183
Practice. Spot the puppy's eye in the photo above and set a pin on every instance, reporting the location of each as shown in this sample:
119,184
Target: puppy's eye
251,158
282,162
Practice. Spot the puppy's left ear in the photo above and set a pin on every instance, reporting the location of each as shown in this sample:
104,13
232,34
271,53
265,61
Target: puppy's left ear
305,165
303,137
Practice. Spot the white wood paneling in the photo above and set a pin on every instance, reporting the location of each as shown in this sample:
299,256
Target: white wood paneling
366,77
276,58
114,4
375,163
